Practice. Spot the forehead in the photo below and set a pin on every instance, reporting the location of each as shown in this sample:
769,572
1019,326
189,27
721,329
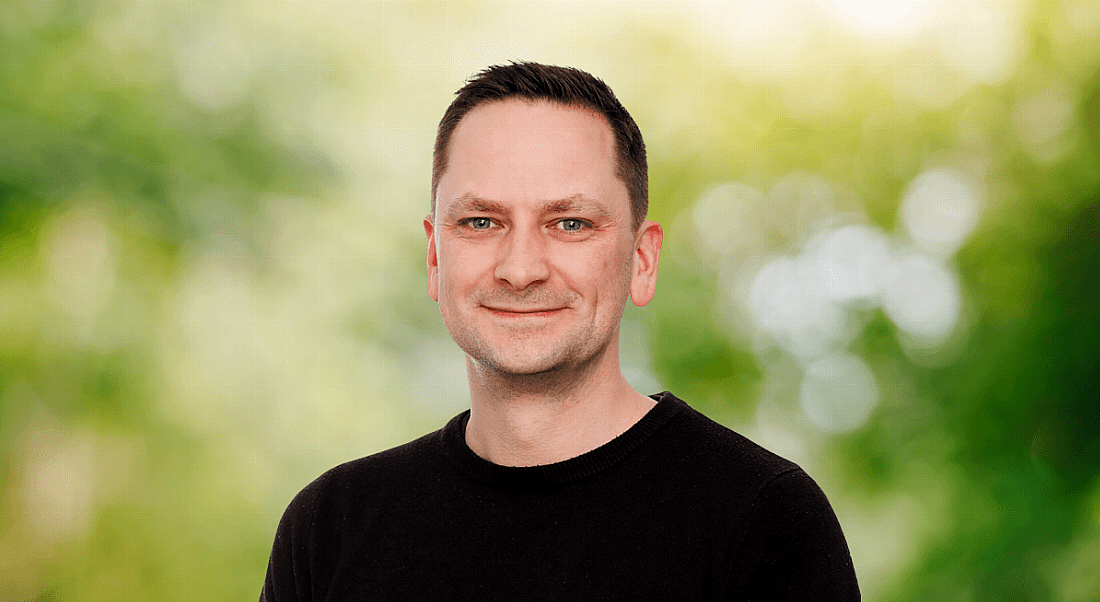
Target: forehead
517,151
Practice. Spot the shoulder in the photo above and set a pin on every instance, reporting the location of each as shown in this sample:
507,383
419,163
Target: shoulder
754,485
393,462
789,544
327,515
347,485
793,546
695,439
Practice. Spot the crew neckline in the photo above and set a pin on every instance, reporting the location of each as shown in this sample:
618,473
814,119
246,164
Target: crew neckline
453,441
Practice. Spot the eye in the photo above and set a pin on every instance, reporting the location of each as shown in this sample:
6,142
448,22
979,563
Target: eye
477,223
572,224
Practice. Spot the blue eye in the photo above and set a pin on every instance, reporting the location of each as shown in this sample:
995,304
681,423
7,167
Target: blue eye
572,225
479,223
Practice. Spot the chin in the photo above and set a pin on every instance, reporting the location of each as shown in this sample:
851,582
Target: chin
520,369
513,362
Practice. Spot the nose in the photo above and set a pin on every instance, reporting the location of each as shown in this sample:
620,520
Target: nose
522,260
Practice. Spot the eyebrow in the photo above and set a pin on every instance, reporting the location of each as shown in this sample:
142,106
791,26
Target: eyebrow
577,203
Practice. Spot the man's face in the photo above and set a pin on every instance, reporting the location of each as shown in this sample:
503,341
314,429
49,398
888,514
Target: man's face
531,250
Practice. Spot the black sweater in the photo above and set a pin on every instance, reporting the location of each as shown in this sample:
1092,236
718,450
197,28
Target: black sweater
676,508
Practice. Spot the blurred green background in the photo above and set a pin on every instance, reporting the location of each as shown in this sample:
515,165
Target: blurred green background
881,261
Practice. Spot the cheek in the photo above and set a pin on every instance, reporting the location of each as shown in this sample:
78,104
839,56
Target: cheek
459,272
450,289
606,274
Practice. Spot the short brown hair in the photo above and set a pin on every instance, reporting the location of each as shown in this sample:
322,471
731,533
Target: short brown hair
565,86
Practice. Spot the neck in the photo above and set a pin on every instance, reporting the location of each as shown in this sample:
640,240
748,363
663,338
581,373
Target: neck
531,420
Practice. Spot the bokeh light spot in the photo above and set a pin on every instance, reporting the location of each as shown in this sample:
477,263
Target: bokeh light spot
883,19
838,393
215,67
924,299
1043,116
59,490
806,196
984,41
849,263
82,265
729,218
940,209
765,41
796,314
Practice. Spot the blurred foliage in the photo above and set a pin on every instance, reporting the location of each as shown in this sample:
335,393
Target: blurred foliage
211,268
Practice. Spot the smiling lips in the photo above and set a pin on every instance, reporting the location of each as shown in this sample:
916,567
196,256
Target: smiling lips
522,312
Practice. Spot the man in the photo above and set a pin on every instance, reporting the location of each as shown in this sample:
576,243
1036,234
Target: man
561,482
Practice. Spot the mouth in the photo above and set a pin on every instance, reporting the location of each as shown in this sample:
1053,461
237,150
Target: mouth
507,312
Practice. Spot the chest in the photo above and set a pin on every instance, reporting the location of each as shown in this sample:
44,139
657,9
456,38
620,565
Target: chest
528,547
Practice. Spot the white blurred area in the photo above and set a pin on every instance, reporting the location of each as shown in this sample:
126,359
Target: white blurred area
812,303
812,299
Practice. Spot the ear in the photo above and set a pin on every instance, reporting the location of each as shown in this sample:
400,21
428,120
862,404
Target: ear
647,252
433,259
